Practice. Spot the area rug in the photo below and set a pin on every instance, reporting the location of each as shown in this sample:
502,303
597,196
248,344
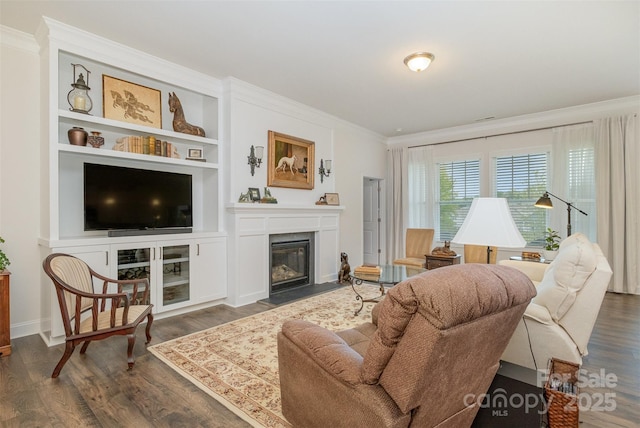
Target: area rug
237,363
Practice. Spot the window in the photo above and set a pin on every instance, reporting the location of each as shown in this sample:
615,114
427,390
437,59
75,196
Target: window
522,180
459,183
582,189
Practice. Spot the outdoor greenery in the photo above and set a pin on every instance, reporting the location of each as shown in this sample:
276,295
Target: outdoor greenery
4,260
521,180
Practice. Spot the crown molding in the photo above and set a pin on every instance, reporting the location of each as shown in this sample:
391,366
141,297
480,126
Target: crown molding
236,89
551,118
18,39
63,36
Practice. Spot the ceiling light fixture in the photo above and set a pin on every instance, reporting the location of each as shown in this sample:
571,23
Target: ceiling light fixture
419,61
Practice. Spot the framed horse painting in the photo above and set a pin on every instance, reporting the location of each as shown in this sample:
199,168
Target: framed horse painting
290,162
129,102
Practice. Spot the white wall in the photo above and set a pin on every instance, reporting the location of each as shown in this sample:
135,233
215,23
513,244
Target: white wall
20,175
359,154
250,112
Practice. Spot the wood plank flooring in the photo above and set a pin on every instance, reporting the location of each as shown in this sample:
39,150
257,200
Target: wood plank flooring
96,390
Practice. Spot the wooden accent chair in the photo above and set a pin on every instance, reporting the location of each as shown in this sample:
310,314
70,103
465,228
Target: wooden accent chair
418,242
426,359
87,315
478,254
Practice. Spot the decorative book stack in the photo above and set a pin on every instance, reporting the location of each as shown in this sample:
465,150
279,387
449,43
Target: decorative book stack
146,145
368,270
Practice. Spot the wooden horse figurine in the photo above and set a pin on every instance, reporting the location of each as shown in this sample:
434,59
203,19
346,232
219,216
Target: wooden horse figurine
180,124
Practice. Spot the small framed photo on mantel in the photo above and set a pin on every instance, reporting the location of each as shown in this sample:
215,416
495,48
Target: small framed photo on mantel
254,194
332,198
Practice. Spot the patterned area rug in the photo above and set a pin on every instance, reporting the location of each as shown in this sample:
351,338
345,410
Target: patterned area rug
237,363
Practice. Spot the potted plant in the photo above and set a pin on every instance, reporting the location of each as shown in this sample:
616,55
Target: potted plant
4,260
551,244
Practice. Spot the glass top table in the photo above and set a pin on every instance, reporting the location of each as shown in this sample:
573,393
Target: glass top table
390,275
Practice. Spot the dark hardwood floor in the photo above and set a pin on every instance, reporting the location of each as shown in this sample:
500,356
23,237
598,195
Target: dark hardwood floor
97,390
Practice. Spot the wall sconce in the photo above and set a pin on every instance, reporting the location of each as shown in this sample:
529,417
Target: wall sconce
324,172
255,158
78,97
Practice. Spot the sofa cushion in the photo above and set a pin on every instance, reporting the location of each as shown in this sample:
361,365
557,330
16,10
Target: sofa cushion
566,275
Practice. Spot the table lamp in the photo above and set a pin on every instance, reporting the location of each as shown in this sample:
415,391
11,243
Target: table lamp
489,223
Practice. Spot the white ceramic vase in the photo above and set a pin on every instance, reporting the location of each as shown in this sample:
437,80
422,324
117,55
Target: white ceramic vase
549,254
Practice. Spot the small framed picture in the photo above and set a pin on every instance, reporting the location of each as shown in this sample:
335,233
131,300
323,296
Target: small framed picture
195,153
254,194
332,198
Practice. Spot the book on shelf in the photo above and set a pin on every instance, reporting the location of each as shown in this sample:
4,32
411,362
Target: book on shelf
146,145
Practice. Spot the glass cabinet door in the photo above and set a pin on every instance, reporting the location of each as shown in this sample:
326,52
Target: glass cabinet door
135,263
175,274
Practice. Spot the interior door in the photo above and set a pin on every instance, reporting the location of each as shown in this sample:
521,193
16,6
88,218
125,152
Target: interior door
371,220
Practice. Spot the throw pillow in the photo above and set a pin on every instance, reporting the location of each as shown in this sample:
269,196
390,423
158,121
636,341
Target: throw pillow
566,276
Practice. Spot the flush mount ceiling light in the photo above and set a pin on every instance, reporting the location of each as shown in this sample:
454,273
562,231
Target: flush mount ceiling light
418,61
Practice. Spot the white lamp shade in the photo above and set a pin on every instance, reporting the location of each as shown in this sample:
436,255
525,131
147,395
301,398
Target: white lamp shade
489,223
259,152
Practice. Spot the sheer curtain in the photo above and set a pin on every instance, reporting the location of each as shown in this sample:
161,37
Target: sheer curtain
573,179
618,186
420,187
396,182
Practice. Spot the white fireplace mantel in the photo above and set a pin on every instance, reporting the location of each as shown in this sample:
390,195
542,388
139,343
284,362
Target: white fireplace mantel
250,225
243,208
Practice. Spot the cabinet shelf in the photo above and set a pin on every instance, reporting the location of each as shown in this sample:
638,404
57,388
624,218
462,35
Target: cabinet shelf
174,281
91,151
122,266
126,127
175,260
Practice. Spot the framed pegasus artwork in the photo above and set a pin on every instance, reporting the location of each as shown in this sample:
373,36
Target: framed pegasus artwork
290,161
132,103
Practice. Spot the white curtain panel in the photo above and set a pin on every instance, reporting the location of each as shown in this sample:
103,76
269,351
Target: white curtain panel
421,187
572,179
396,185
618,186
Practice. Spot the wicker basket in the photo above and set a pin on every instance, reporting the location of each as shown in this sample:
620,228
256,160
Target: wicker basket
562,399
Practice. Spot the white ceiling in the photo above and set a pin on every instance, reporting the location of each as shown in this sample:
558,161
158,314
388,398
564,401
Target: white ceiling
492,58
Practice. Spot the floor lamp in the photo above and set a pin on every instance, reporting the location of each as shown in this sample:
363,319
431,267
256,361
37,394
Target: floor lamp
545,202
489,223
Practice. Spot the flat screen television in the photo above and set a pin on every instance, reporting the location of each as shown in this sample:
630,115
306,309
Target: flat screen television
119,198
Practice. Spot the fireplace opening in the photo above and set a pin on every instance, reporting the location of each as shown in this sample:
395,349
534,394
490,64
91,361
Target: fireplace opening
291,261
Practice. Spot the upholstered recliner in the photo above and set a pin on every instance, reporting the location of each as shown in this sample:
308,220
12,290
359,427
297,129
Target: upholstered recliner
418,243
559,321
430,353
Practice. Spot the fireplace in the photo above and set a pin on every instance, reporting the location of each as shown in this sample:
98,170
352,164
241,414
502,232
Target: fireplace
291,258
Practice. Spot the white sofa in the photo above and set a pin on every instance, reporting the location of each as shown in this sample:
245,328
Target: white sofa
559,320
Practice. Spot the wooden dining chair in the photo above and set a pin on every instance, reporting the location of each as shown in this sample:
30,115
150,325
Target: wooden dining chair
478,254
88,315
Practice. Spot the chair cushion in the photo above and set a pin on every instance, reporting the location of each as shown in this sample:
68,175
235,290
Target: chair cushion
566,276
411,261
135,311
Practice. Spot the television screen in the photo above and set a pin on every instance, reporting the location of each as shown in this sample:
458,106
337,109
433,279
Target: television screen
128,198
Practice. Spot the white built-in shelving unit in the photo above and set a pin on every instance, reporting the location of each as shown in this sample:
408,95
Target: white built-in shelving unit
62,199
